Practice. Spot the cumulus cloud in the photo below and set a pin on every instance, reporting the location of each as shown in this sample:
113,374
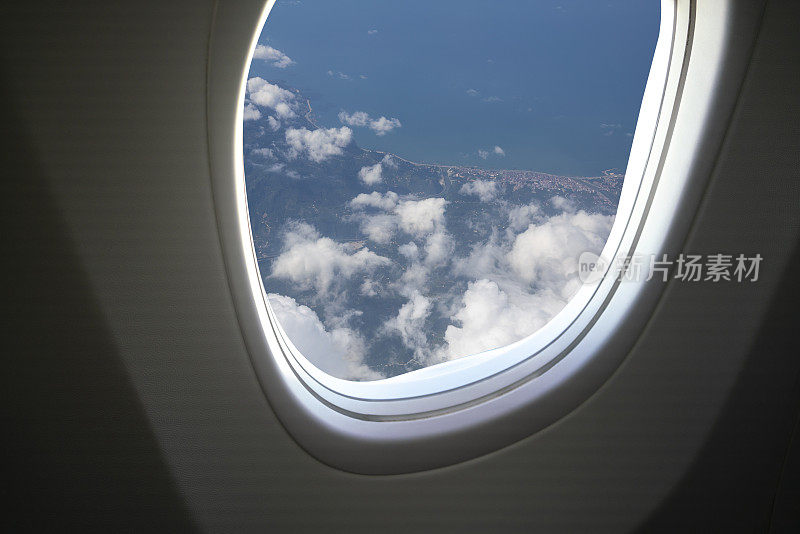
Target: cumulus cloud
372,174
264,152
355,119
435,253
490,317
339,352
409,323
382,125
274,56
377,200
519,281
379,228
274,124
497,151
319,144
389,161
373,31
361,119
563,204
337,74
439,247
251,113
268,95
473,92
314,262
414,278
409,250
520,217
546,254
369,288
492,99
421,217
485,190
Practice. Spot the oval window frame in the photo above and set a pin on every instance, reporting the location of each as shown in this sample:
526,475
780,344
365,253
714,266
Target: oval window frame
458,410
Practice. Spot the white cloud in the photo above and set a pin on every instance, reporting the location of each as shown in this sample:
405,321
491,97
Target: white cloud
414,278
546,254
274,56
373,31
490,317
485,190
473,92
563,204
389,161
409,323
379,228
486,260
521,216
265,94
385,201
355,119
339,352
492,99
421,217
369,288
409,250
274,124
484,153
382,125
519,281
319,144
251,113
439,247
372,174
314,262
340,75
264,152
361,119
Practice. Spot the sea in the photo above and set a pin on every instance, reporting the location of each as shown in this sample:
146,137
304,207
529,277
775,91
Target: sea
556,84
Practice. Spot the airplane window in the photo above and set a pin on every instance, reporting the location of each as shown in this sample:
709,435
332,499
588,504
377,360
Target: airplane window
421,181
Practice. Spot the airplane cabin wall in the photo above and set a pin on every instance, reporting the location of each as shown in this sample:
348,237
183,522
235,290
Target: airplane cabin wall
130,401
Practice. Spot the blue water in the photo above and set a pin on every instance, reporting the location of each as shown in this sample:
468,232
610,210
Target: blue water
554,72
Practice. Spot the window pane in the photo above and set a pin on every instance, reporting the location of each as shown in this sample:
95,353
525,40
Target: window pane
422,179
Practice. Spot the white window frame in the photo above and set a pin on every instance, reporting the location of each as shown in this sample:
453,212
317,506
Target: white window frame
461,409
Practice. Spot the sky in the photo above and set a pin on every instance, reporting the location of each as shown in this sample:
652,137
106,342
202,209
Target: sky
555,84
